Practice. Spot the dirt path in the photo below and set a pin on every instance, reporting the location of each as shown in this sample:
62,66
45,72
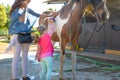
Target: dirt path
85,70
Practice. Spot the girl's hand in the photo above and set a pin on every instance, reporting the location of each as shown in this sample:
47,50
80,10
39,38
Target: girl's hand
37,57
36,37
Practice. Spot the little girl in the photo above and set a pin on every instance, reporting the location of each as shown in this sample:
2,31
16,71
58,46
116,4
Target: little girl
45,53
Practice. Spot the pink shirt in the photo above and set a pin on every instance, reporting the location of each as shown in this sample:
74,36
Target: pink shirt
46,46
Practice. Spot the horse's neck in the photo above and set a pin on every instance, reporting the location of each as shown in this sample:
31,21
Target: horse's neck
79,8
70,1
51,28
66,10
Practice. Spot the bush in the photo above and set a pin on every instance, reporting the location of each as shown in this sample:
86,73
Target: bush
3,32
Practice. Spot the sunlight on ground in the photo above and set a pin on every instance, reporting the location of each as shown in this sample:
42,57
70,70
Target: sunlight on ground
5,56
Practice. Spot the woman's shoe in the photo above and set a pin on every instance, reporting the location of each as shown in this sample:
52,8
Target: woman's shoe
26,78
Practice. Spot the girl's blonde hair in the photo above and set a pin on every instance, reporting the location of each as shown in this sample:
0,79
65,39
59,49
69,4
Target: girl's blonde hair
41,29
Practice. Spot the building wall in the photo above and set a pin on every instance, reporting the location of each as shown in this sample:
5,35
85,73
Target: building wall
108,37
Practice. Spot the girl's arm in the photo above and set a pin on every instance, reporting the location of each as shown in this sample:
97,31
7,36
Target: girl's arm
37,57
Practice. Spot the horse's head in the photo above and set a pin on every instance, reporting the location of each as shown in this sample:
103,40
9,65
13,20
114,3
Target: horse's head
43,20
100,9
48,22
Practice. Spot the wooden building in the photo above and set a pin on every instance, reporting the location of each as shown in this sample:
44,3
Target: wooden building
107,39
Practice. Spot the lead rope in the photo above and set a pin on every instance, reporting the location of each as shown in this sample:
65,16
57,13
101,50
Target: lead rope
91,36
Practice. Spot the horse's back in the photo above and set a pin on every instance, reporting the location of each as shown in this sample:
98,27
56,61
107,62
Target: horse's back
64,12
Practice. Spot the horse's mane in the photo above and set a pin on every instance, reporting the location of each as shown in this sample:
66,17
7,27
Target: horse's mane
65,10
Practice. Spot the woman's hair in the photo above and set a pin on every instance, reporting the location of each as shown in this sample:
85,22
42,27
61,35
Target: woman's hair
15,5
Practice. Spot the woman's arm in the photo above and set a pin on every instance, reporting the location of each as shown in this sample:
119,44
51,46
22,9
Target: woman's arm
16,15
22,18
33,13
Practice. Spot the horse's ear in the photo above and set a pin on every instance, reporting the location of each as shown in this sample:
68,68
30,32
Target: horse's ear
105,1
46,23
76,0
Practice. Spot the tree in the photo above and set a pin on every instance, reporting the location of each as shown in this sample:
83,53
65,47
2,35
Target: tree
3,15
8,19
8,16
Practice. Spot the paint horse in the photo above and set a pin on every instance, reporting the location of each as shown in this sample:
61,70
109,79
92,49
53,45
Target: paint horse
68,26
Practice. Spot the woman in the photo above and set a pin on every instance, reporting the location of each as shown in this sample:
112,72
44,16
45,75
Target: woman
22,20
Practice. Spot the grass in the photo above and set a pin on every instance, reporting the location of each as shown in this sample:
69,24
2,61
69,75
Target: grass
5,41
3,31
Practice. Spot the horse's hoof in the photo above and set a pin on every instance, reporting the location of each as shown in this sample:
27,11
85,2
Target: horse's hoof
61,79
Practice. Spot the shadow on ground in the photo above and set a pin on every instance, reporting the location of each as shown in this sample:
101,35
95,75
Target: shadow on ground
85,70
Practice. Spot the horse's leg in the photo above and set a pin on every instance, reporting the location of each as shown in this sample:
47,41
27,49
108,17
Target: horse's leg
62,59
73,58
62,56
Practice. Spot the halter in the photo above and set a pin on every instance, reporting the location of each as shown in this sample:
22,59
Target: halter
103,24
95,7
89,2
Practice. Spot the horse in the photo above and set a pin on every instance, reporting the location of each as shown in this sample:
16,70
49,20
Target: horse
68,26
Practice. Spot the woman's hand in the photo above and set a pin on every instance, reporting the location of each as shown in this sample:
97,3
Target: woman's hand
43,16
54,14
22,18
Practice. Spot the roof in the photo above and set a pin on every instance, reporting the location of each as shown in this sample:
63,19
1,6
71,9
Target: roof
111,3
56,1
114,3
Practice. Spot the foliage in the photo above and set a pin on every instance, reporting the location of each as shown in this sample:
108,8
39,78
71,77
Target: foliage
50,9
3,15
8,17
88,10
35,31
3,32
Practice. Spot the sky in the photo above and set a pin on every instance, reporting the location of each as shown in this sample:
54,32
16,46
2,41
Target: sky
36,5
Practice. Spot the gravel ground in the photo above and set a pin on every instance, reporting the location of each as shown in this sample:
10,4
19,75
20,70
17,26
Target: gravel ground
85,70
